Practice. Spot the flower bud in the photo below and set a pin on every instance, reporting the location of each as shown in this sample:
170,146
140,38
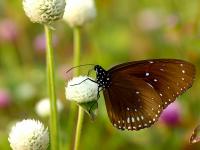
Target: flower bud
9,31
29,135
43,107
172,114
81,89
5,98
79,12
84,91
44,11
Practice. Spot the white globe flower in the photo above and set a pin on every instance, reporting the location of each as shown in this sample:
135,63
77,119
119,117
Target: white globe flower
44,11
43,107
79,12
81,89
29,135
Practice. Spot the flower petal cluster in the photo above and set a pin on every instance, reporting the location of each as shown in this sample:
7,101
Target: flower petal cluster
43,107
79,12
29,134
44,11
81,89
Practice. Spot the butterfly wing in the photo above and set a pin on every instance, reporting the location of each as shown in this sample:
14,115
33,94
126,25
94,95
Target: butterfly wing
141,90
195,137
131,103
169,77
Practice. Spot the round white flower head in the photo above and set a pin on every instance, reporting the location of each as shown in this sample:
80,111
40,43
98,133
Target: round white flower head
29,135
79,12
81,89
44,11
43,107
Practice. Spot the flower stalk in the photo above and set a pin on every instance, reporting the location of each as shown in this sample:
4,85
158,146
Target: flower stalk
79,127
77,51
51,89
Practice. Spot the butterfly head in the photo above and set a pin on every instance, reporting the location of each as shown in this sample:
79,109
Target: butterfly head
102,76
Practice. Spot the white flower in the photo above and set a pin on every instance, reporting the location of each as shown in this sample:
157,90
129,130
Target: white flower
29,135
43,107
44,11
85,90
79,12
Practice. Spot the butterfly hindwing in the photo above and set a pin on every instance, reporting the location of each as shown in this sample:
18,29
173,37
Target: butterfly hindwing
131,103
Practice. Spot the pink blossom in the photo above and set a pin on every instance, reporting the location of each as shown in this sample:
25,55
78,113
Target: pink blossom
8,30
4,98
172,114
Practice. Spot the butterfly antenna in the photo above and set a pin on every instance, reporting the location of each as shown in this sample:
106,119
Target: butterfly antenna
79,66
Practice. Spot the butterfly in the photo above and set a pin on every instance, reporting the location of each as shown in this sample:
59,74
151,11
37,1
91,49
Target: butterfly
137,92
195,137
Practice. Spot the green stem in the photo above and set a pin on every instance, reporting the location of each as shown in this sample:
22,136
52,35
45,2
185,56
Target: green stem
77,50
51,90
79,128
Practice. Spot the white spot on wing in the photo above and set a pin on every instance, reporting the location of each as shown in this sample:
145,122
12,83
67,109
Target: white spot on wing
147,74
133,120
161,69
128,120
137,92
138,119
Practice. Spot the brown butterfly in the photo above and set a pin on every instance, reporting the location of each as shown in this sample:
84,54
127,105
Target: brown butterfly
195,137
137,92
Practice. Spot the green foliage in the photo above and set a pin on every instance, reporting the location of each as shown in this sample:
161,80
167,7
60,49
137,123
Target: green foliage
121,32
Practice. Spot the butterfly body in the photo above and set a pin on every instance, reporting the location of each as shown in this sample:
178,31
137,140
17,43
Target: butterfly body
103,78
137,92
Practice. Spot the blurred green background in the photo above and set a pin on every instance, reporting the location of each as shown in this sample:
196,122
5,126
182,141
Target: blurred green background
123,31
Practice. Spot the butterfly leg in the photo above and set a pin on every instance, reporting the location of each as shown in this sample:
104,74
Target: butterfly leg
84,81
98,96
99,90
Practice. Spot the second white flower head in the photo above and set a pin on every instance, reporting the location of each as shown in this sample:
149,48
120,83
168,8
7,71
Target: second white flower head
81,89
79,12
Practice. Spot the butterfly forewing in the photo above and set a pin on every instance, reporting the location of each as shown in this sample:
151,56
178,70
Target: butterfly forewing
169,77
140,90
